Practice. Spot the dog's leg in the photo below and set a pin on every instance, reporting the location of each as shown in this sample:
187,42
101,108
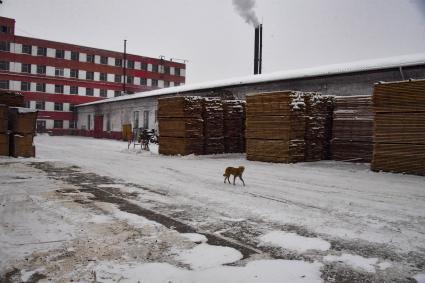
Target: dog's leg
228,179
225,177
240,177
234,178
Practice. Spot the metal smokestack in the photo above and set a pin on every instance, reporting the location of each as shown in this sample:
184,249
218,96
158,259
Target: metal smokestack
258,49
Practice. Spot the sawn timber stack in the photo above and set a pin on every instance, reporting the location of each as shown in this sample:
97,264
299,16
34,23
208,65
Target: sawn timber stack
399,129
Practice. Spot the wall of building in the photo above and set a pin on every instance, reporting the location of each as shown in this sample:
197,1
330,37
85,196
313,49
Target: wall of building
22,60
361,83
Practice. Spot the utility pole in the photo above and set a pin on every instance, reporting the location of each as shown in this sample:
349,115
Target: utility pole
124,66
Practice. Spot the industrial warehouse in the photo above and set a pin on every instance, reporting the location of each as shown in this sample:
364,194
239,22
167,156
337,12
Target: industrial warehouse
117,167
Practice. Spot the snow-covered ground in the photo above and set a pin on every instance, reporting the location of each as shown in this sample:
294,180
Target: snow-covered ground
307,221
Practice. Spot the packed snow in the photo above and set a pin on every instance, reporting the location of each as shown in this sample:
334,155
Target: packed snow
326,214
292,241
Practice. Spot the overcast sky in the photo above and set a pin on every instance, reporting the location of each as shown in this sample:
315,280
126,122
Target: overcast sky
218,43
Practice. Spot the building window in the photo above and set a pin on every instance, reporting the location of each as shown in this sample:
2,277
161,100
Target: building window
89,75
166,84
41,87
103,77
143,81
146,119
135,119
41,70
58,124
118,62
4,84
88,122
72,124
60,54
177,71
130,64
25,86
59,72
89,91
166,70
144,66
75,55
41,51
27,104
26,68
117,93
3,29
154,82
155,68
103,60
4,65
118,79
103,93
90,58
58,106
73,89
130,79
176,83
40,105
74,73
58,88
4,46
26,49
72,107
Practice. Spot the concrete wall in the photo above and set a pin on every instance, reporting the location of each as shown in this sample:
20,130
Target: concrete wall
119,113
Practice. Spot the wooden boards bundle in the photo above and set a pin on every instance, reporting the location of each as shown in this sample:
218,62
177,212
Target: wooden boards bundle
181,127
352,132
213,117
195,125
234,125
399,128
287,126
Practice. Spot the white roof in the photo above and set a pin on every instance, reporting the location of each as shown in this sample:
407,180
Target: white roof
335,69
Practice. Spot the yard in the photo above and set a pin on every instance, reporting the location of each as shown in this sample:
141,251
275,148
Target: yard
91,210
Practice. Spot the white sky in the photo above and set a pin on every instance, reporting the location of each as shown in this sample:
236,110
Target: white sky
216,40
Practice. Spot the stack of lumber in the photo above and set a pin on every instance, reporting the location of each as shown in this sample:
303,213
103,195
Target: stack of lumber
234,126
181,126
399,129
318,111
275,127
12,99
4,134
213,126
22,125
352,129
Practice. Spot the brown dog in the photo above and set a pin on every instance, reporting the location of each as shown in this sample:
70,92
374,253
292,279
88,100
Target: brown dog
236,172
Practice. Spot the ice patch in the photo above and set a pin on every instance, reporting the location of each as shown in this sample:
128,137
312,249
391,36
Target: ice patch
100,218
292,241
270,271
420,278
195,237
355,261
232,219
117,186
206,256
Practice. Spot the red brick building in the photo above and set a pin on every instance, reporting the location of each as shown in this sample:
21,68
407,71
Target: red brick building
55,76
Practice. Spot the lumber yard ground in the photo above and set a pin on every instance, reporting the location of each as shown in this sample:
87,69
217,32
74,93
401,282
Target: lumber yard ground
90,210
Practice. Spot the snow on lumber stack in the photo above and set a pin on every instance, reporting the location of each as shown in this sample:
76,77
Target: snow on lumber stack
180,125
352,128
234,125
399,133
275,127
318,126
213,126
12,99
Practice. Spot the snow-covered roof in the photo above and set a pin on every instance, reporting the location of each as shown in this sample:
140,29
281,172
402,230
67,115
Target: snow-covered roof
335,69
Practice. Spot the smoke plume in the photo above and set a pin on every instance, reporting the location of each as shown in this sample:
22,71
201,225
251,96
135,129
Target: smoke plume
245,9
